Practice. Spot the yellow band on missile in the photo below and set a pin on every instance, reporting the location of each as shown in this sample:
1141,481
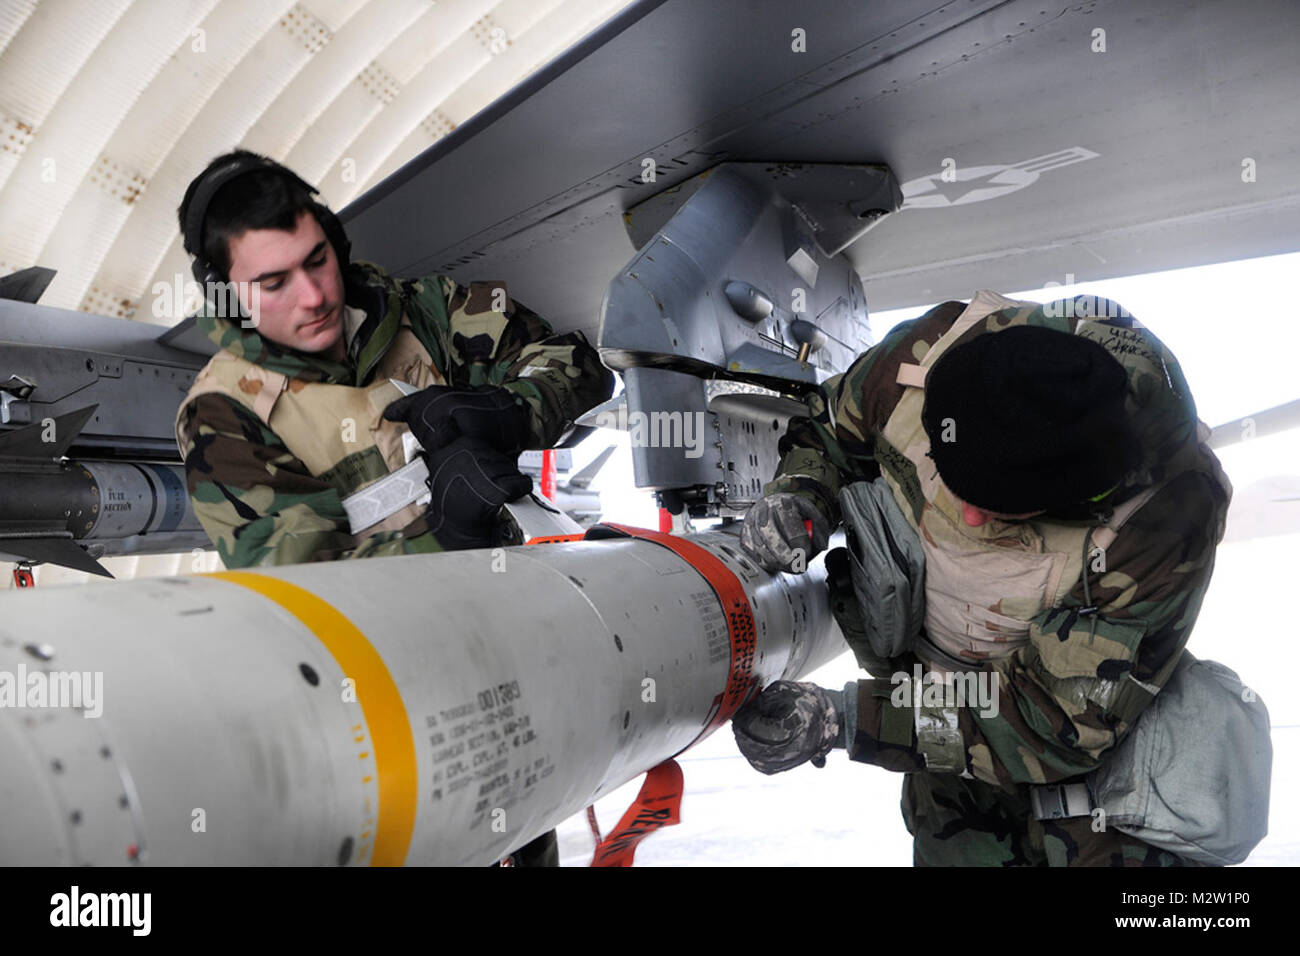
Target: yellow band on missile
381,703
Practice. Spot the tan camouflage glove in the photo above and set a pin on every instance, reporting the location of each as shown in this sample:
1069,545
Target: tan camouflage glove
776,535
788,724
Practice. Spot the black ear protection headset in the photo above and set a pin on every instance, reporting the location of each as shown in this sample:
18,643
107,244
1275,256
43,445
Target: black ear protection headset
206,272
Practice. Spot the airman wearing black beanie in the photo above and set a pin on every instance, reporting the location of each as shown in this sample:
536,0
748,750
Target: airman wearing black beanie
1028,419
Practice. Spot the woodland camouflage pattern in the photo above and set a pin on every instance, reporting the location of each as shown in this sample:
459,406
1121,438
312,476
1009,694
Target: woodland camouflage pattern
262,506
1063,695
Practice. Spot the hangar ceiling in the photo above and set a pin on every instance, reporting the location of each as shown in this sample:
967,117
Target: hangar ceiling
109,108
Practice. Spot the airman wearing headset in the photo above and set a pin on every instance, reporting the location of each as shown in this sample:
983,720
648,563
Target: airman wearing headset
293,429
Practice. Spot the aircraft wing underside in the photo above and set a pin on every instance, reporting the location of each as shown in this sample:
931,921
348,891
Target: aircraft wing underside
1034,141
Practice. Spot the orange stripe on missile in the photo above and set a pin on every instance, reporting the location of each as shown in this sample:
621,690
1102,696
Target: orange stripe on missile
381,703
741,629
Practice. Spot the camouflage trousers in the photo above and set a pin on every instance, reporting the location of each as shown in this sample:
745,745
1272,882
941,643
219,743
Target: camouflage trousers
960,822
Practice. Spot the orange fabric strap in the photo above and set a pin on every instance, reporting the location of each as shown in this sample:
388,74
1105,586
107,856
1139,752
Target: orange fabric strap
657,805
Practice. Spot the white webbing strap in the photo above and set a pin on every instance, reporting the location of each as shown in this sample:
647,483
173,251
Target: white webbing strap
375,502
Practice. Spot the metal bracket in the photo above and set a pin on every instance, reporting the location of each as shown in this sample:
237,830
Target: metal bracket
14,393
740,281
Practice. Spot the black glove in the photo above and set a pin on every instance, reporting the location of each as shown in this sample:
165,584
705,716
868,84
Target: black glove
788,724
774,533
440,414
470,481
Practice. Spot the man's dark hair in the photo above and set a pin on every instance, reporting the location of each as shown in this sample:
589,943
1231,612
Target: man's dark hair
261,199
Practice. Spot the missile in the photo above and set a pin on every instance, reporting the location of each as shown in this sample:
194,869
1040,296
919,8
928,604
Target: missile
436,709
71,512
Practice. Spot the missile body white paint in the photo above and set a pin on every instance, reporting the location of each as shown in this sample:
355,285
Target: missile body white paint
378,711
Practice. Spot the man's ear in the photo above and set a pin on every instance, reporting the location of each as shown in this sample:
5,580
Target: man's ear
969,511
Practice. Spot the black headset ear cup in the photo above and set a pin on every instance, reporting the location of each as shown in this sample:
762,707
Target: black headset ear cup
206,275
215,291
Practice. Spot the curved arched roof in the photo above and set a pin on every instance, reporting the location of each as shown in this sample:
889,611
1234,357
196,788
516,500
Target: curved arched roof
109,108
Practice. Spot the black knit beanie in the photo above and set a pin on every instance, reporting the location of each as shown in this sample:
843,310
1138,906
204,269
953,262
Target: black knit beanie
1028,419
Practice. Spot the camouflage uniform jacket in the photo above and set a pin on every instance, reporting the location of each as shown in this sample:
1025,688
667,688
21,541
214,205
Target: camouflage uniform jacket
1141,606
261,505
